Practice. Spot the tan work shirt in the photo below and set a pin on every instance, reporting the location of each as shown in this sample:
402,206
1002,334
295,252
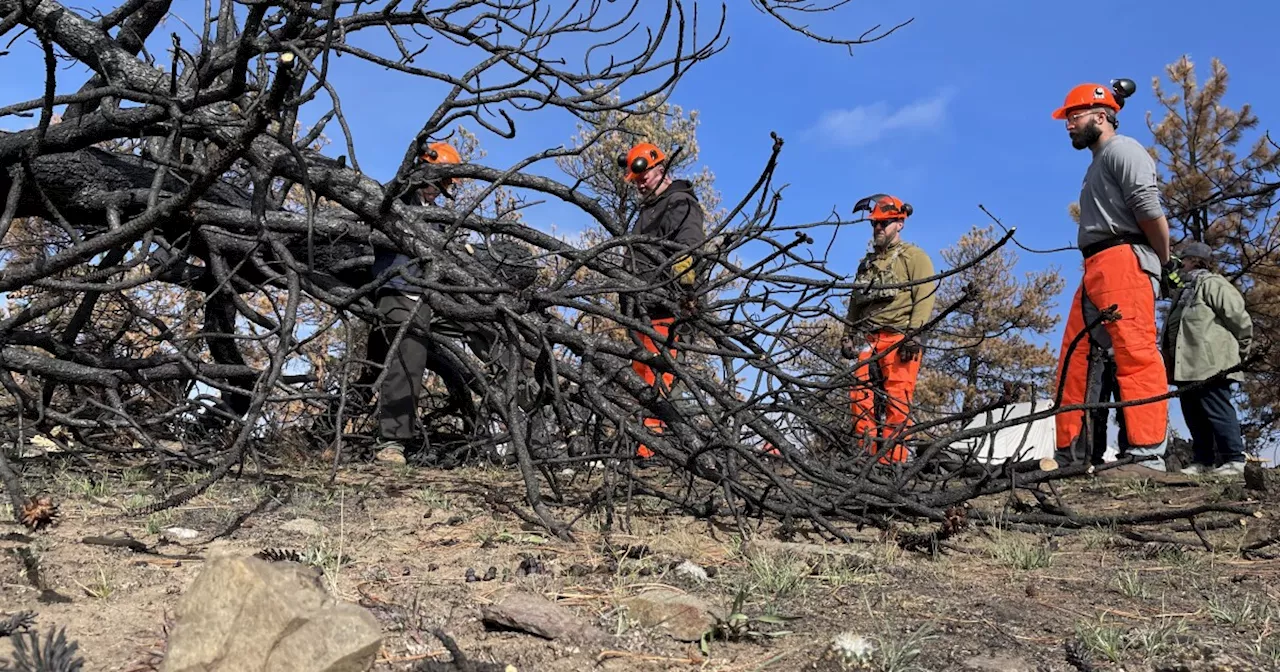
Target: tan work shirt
872,308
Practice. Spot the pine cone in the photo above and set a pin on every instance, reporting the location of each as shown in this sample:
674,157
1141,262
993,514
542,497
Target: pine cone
1078,656
39,513
279,555
955,522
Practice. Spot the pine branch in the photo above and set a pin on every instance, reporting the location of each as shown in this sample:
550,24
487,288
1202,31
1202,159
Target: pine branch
19,622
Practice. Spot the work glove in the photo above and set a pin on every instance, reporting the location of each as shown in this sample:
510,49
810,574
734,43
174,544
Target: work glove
909,350
684,271
1171,276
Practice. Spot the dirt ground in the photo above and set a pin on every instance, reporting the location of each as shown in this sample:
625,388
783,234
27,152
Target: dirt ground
400,542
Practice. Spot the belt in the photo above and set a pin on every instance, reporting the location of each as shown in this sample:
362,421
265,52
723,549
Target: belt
1124,239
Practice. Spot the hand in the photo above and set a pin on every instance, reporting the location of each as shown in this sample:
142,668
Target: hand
909,350
847,349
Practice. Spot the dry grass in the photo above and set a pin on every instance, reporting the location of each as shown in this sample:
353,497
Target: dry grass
404,538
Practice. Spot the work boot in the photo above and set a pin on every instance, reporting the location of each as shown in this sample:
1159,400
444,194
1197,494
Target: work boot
389,452
1067,457
1229,469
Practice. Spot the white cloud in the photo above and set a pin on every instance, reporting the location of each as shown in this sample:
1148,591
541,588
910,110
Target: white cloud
866,124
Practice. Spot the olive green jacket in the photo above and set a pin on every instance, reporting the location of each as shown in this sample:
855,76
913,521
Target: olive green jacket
872,308
1207,331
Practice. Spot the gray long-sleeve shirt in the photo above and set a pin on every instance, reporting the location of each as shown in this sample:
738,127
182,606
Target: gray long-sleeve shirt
1120,189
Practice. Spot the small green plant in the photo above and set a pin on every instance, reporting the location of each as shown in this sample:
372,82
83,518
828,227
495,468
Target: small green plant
1102,638
1140,486
1097,537
1268,649
1130,584
1172,554
738,625
86,486
135,500
1022,553
158,521
899,654
776,574
1158,639
839,571
433,498
1226,609
101,588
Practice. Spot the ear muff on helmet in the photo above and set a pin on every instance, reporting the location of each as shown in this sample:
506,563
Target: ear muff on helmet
438,152
1123,88
641,163
640,158
637,165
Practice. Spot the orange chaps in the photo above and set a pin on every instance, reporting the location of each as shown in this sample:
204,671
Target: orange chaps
663,327
1114,276
885,386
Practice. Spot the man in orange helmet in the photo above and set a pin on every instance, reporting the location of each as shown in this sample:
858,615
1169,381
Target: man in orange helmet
1124,238
669,212
397,302
881,329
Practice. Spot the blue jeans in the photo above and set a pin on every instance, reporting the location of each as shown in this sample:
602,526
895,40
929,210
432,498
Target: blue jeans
1213,423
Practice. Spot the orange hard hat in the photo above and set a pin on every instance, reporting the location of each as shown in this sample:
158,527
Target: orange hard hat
441,152
1091,94
884,207
642,157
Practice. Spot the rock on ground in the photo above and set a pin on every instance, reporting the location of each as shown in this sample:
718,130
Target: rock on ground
1263,480
304,526
682,616
539,616
248,614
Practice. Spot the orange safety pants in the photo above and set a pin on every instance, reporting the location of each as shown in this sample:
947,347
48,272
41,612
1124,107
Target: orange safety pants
1114,276
887,385
663,327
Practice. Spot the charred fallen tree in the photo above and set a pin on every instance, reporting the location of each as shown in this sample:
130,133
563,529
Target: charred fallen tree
177,254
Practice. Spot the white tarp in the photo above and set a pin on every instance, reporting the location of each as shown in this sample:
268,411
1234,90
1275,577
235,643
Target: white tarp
1023,441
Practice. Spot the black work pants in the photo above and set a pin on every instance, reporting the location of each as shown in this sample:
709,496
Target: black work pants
402,385
1213,423
1108,390
398,398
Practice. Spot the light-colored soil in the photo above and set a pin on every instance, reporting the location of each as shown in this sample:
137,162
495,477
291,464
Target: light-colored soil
400,541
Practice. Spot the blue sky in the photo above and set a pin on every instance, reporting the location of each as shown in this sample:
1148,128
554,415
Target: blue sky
949,112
